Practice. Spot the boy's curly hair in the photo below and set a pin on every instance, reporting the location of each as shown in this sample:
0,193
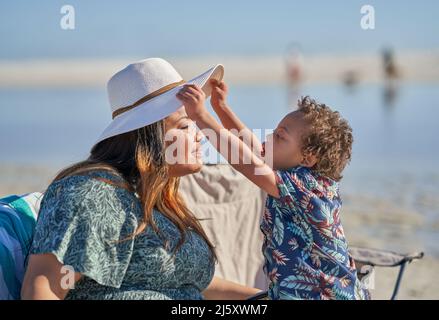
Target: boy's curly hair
329,138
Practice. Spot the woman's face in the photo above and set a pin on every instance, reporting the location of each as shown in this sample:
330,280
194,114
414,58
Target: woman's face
183,148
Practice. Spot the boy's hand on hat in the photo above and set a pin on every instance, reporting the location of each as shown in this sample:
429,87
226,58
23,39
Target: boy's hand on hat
218,98
193,99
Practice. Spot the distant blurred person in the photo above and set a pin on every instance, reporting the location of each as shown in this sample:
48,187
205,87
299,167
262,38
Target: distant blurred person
294,64
391,74
350,79
390,69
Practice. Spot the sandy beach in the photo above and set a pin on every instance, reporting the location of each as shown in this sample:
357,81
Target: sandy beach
392,231
421,66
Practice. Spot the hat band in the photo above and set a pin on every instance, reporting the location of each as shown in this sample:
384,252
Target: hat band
148,97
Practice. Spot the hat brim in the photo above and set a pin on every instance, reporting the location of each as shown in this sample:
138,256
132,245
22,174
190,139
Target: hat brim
159,107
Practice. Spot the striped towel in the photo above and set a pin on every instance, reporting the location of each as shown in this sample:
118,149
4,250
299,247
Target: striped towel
18,216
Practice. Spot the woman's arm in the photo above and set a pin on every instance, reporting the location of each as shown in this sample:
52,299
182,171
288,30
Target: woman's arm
46,279
220,289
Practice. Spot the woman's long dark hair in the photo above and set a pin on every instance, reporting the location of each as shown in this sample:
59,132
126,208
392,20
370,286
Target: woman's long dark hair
139,156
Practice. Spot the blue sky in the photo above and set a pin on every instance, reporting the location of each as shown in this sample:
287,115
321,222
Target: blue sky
117,29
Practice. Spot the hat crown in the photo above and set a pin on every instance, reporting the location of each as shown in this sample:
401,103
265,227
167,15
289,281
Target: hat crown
139,79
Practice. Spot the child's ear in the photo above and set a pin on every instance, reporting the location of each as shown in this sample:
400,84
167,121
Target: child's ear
309,160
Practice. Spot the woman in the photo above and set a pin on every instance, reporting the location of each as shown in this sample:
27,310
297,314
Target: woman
115,222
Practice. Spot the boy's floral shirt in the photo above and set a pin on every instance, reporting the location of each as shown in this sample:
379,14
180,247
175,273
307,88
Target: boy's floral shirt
306,253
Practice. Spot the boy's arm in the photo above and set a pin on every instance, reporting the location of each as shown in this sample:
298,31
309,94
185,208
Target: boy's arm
237,153
229,119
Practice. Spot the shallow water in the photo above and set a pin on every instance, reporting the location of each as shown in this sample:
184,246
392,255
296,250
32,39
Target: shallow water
392,183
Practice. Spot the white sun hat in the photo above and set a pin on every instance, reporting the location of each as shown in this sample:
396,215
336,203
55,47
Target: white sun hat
144,92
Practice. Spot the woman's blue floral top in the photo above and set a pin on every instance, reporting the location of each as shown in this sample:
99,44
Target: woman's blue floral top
87,223
306,253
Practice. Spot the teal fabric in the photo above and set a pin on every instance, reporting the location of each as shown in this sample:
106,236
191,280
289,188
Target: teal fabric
86,224
17,224
10,285
21,224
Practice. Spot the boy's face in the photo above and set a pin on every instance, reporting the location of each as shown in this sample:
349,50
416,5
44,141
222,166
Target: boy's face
286,143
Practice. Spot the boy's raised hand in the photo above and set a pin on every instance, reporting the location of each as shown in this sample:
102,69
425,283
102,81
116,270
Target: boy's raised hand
193,99
218,98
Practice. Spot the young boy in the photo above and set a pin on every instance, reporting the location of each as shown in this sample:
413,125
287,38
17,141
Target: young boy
305,250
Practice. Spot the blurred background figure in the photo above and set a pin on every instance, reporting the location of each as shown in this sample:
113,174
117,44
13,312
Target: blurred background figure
391,76
390,69
350,80
294,63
